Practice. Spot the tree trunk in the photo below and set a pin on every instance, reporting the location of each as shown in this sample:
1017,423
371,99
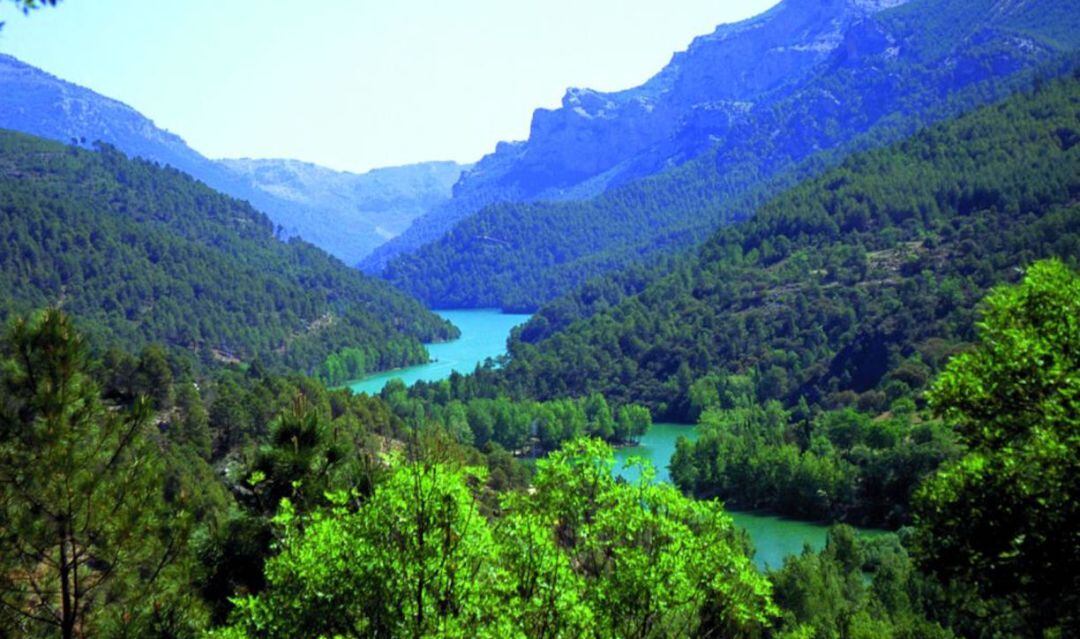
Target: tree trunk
67,608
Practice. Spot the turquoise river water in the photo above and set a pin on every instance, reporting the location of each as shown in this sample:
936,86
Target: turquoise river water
483,335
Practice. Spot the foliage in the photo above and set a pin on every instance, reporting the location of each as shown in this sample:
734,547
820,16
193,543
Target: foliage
138,253
89,532
848,290
838,465
827,595
26,6
581,555
462,407
1003,518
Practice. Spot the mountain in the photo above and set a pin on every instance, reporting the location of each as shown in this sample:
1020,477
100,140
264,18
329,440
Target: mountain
742,113
849,289
337,210
345,214
141,253
596,139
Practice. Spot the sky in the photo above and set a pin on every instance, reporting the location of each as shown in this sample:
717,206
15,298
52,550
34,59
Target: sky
355,84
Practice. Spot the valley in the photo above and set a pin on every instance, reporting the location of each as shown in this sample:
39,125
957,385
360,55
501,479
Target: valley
778,339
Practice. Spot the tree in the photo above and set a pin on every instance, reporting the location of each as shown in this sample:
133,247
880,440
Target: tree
153,377
26,6
78,485
413,561
657,564
1003,519
580,554
194,425
828,595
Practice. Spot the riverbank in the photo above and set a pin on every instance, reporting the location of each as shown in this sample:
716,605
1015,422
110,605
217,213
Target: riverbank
483,336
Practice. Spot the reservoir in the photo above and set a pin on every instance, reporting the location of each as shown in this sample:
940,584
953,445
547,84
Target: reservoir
774,537
483,335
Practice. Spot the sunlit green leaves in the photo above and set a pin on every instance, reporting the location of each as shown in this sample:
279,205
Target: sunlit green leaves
580,554
1004,518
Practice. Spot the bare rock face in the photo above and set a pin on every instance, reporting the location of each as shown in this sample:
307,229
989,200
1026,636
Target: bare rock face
719,74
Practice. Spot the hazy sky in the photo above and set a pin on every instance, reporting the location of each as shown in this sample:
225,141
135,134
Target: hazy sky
355,84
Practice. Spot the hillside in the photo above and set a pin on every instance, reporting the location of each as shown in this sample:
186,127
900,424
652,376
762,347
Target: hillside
345,214
851,288
879,79
141,253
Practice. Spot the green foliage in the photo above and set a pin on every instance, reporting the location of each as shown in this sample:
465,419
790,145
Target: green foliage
140,254
90,534
580,555
478,415
1003,518
827,595
413,561
839,465
850,289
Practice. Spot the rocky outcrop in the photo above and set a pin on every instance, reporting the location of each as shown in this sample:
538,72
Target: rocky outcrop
596,140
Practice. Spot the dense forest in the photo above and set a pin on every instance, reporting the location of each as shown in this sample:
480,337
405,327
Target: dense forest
953,57
848,290
802,339
138,503
891,340
139,254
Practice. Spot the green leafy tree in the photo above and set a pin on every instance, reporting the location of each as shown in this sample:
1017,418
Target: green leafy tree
829,594
79,488
657,564
578,555
413,561
1004,518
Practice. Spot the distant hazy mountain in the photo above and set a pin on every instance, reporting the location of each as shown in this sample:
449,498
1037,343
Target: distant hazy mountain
332,210
753,102
331,203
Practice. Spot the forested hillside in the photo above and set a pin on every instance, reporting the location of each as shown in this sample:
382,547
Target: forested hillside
895,71
345,214
140,253
851,307
257,506
848,289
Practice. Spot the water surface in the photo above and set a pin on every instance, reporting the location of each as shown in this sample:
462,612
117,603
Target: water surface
483,335
774,537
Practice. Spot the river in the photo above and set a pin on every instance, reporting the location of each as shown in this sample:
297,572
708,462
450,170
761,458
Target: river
483,335
774,537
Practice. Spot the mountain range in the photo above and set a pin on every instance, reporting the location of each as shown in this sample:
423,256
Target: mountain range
597,140
345,214
741,114
348,214
608,179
